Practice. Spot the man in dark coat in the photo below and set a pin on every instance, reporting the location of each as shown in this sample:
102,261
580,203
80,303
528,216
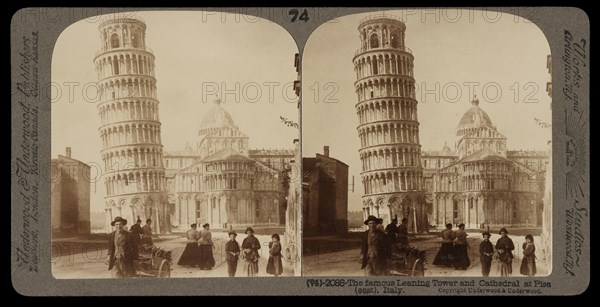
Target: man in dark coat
121,250
136,228
392,231
147,236
373,248
136,234
403,232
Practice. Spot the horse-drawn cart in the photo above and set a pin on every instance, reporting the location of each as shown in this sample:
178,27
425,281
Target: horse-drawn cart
153,262
407,261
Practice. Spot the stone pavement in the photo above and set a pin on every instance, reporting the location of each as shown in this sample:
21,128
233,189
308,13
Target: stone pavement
347,263
88,260
220,269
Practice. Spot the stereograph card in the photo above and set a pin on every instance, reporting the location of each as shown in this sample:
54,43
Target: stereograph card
300,151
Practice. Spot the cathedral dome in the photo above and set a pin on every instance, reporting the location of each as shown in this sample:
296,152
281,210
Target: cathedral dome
216,117
475,117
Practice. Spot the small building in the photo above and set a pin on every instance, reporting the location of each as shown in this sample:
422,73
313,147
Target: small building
70,189
324,195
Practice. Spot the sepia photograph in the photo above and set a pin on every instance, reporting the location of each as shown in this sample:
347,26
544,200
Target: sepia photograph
300,151
427,146
174,135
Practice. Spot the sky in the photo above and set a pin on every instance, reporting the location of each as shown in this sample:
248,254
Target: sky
496,56
248,62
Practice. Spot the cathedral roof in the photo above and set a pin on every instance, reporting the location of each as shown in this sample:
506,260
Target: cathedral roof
216,117
188,151
226,154
445,152
271,152
475,117
484,155
526,153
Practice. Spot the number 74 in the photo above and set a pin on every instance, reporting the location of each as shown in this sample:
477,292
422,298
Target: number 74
294,13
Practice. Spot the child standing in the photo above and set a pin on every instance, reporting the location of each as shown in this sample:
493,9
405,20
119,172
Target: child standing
486,253
232,248
528,264
274,266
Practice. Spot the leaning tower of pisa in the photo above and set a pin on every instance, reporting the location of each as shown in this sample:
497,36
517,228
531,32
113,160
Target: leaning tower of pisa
133,172
388,129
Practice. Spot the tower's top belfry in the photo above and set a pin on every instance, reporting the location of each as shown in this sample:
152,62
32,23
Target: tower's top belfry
117,33
382,32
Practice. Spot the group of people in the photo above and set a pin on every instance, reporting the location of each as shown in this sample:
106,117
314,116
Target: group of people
198,252
124,246
377,244
454,249
454,252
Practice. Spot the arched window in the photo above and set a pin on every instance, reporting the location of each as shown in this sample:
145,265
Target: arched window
454,209
114,41
394,40
134,40
374,41
256,208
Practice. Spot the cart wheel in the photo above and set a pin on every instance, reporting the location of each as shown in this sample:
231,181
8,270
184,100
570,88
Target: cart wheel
418,268
164,270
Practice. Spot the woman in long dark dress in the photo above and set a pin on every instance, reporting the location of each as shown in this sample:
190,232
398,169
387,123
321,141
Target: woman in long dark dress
275,266
461,246
191,252
206,261
445,256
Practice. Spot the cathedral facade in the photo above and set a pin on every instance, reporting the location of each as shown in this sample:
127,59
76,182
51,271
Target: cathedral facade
480,182
220,181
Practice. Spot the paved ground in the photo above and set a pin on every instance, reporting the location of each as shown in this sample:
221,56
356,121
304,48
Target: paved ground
87,259
347,263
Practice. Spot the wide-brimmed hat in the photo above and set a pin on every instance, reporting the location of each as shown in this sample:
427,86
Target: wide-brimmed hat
118,219
461,225
485,233
370,218
249,229
503,230
194,225
204,225
232,233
